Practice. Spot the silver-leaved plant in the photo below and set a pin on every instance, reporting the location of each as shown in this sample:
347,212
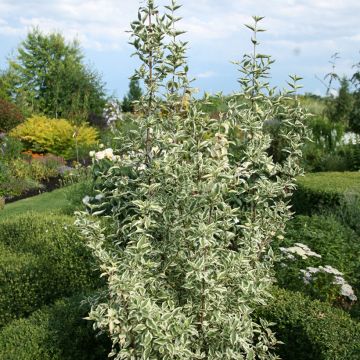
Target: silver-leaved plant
192,204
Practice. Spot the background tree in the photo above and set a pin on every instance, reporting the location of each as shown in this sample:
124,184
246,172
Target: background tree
340,108
134,94
328,128
50,75
355,112
10,115
4,85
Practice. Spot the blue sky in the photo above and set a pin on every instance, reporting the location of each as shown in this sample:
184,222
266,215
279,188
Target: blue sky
301,36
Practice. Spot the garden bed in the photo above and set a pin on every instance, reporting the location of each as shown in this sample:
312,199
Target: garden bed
46,186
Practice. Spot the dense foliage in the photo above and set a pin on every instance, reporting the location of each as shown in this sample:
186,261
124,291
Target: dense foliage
327,190
311,330
134,94
193,203
57,136
42,259
22,172
58,332
4,85
355,112
10,116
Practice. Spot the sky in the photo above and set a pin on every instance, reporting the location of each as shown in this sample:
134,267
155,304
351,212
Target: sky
301,36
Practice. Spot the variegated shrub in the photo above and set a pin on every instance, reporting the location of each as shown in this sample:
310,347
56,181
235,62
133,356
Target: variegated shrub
191,205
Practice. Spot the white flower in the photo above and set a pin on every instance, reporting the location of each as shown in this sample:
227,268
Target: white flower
330,270
100,155
108,153
339,280
99,196
92,153
346,290
300,250
86,200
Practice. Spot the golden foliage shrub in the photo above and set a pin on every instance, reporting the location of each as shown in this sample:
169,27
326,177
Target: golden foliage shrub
57,136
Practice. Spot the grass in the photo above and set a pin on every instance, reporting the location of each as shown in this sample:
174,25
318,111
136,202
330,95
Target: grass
51,202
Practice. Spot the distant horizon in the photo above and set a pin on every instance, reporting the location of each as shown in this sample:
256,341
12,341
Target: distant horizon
301,36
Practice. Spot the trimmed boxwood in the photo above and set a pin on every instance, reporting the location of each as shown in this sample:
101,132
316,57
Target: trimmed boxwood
308,201
58,332
42,259
319,191
311,330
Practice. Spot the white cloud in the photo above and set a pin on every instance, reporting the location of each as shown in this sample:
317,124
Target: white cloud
99,25
205,74
301,34
105,21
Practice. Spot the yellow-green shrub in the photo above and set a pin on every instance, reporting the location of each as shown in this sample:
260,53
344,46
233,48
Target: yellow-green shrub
57,136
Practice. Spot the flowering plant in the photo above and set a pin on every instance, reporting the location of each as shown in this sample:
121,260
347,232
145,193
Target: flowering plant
112,112
321,282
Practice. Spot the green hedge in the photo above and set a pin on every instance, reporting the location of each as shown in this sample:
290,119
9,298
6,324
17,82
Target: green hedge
326,190
338,245
42,259
58,332
311,330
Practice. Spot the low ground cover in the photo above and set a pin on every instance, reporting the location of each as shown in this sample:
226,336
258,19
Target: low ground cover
338,182
57,332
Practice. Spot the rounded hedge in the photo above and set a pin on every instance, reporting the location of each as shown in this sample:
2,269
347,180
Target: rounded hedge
42,259
324,191
311,330
58,332
10,116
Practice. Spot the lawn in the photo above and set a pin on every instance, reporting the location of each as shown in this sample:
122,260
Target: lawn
51,202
